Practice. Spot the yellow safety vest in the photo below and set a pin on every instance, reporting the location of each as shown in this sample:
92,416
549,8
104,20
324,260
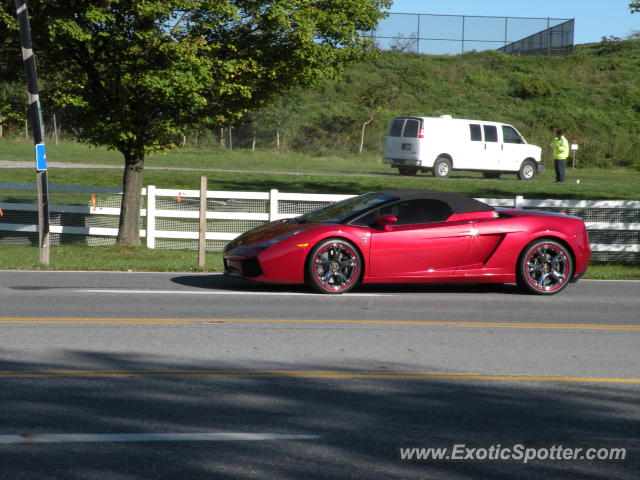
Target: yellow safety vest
560,148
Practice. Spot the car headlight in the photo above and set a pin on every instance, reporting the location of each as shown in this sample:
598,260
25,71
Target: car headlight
278,239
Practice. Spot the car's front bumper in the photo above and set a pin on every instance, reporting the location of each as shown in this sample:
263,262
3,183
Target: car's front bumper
279,263
244,267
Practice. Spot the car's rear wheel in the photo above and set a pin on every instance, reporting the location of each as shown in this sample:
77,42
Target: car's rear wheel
334,266
545,267
442,167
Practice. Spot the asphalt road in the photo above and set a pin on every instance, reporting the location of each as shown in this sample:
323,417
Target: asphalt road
180,375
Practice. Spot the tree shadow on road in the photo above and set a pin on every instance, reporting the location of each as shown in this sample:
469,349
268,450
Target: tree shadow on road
361,422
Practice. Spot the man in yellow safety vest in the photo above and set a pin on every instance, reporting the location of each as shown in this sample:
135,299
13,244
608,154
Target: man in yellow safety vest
560,147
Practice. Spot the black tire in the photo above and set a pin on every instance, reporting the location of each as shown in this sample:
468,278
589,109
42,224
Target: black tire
407,171
334,266
527,170
441,167
545,267
492,175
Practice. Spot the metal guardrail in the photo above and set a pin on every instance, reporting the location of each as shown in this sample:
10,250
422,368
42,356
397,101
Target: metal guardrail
172,216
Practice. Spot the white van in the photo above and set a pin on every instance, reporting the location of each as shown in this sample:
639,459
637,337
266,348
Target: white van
442,144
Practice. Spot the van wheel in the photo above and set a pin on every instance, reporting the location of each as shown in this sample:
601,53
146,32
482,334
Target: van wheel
442,167
527,170
408,171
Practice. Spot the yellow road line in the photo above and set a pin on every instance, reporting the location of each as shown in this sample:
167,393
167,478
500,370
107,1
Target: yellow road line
179,321
317,374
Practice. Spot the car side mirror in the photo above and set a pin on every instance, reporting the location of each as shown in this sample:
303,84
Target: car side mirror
385,221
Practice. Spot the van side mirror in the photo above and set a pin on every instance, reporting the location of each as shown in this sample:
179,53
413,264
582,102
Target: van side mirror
385,221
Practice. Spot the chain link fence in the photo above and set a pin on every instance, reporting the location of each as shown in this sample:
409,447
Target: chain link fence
454,34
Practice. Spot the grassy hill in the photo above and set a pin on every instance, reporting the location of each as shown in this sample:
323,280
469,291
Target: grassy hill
593,94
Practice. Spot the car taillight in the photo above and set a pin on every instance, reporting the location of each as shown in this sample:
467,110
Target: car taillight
421,133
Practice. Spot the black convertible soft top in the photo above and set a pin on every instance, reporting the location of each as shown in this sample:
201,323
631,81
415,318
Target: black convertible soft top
458,203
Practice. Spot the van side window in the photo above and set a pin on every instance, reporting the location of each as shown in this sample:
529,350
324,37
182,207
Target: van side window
411,129
396,127
490,133
476,132
510,135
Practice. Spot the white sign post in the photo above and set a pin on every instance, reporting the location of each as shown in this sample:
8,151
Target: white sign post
574,149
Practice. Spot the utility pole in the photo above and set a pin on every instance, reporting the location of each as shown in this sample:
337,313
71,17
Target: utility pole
37,127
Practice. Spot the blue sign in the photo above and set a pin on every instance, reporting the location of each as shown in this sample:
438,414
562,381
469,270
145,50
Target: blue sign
41,157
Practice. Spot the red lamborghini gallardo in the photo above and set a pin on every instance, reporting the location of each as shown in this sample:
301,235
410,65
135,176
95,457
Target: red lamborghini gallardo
409,236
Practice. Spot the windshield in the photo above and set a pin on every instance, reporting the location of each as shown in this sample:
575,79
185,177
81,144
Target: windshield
346,209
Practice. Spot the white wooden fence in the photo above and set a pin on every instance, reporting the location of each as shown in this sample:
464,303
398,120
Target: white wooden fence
172,215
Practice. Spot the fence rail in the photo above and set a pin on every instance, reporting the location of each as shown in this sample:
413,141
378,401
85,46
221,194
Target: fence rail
170,219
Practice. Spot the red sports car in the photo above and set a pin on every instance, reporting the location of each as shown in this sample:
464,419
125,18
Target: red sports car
409,236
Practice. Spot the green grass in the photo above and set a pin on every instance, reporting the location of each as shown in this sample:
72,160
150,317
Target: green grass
82,257
350,174
337,178
200,158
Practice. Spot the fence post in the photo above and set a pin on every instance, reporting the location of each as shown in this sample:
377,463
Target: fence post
273,204
151,216
517,201
202,236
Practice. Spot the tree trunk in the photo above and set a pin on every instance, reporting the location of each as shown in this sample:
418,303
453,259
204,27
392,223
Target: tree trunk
364,125
129,225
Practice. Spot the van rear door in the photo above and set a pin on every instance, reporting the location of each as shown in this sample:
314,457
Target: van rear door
403,139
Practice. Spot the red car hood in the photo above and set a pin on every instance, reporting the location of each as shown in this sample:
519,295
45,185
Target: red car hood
268,231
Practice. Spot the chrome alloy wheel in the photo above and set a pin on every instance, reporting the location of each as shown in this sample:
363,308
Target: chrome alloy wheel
335,267
547,267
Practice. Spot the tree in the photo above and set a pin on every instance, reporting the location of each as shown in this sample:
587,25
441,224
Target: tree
404,44
634,6
12,105
375,95
135,75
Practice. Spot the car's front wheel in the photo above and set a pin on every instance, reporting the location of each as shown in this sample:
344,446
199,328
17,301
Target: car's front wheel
545,267
334,266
